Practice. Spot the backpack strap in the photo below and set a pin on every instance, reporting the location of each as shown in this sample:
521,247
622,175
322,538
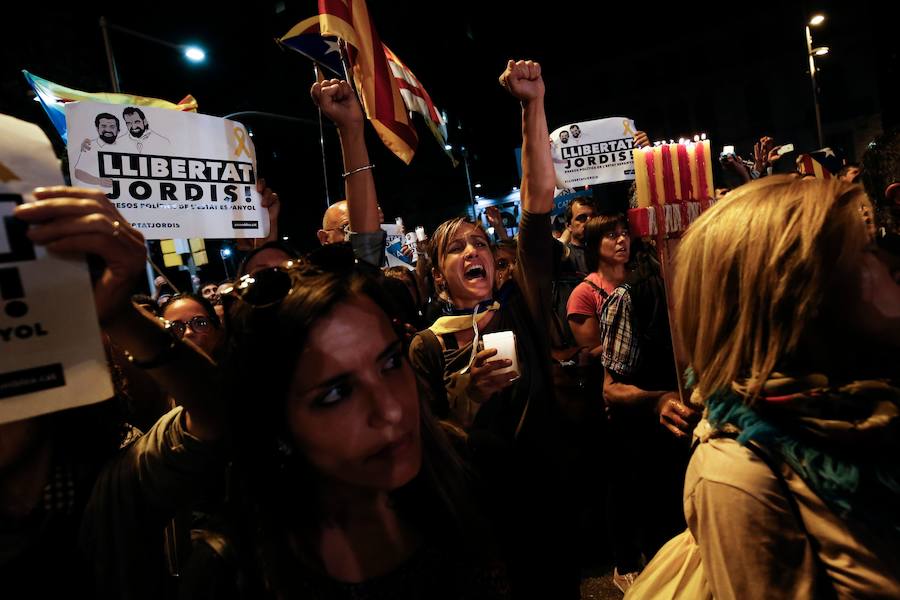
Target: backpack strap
603,293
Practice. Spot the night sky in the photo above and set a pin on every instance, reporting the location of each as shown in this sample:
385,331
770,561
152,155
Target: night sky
734,71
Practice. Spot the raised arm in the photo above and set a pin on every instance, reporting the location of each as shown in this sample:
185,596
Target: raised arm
80,220
523,80
339,103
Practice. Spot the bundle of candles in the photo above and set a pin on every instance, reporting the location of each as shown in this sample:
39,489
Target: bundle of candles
674,185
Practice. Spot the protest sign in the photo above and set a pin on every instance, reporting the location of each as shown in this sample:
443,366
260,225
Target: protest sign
393,247
172,174
593,152
51,357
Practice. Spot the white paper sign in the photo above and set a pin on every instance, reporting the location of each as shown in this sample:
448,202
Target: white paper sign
593,152
393,245
51,356
172,174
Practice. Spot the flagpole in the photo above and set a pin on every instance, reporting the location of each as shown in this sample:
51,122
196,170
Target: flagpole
114,77
318,75
110,59
345,62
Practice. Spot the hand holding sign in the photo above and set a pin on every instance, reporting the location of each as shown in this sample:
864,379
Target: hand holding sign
270,201
641,140
338,101
523,80
80,220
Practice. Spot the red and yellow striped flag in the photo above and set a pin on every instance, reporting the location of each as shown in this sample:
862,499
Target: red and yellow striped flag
377,87
418,100
808,165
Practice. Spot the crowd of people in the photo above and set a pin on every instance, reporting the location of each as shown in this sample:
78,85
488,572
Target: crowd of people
324,426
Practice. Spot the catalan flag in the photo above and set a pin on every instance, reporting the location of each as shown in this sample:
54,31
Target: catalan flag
808,164
377,87
417,99
53,97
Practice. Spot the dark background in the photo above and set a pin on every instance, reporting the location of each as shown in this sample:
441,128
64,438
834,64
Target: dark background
733,71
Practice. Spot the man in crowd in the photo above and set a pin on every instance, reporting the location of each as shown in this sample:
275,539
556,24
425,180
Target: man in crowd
571,265
335,224
579,211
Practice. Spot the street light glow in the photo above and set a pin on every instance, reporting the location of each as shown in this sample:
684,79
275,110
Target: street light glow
817,20
821,51
194,54
448,147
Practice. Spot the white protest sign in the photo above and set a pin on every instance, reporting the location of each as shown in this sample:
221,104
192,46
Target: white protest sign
593,152
393,247
51,357
172,174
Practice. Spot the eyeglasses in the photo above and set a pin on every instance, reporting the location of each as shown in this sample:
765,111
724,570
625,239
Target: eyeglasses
615,235
200,324
269,287
345,228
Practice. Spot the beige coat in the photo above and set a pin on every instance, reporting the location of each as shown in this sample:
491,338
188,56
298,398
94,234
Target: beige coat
752,546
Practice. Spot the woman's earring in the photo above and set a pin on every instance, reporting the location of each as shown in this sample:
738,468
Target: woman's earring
284,448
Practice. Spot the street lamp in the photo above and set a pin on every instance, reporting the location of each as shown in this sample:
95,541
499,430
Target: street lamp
194,54
812,53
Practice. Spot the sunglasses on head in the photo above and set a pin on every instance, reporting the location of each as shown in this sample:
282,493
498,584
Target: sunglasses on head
269,287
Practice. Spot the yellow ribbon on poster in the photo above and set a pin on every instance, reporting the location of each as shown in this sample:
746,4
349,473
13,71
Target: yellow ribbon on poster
626,128
242,143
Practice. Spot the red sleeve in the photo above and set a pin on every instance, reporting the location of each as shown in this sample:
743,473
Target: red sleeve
583,301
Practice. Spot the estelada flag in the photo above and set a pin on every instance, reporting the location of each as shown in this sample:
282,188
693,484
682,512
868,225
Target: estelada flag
807,164
305,38
376,85
53,97
417,99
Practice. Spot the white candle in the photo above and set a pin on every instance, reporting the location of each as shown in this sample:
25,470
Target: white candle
505,344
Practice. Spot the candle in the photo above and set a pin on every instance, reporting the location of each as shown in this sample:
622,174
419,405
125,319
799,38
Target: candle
652,167
657,179
667,173
709,191
701,154
684,173
505,344
640,176
695,176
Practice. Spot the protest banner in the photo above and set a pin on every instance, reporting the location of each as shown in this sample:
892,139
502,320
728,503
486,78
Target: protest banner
172,174
593,152
51,356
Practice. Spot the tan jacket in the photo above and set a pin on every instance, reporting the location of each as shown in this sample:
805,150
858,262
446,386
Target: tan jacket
752,545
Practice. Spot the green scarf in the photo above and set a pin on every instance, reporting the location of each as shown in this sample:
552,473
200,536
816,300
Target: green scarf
844,442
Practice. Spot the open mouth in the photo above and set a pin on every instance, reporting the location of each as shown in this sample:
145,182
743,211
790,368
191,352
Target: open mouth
475,272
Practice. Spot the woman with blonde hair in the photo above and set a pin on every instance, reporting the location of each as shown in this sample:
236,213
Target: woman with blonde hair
792,327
